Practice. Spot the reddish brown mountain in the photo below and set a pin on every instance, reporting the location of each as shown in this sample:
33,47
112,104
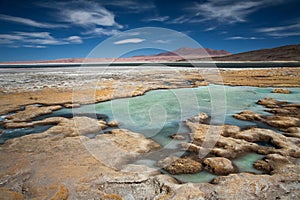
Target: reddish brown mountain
283,53
195,52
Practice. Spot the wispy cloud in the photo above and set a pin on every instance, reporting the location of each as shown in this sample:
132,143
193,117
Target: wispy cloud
101,31
210,28
230,11
243,38
36,39
74,39
282,31
91,16
223,11
156,19
162,41
83,13
133,6
130,41
35,46
180,20
30,22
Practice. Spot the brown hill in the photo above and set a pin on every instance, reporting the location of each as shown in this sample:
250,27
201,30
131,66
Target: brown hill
195,52
283,53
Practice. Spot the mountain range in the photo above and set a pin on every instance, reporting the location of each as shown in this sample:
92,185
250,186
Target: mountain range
283,53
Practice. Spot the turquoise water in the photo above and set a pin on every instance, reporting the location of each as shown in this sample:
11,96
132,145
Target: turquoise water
245,163
159,114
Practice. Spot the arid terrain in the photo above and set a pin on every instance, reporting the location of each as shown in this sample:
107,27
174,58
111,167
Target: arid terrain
58,163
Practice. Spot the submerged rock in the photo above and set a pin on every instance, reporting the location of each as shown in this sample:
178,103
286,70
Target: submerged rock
176,165
90,115
281,90
178,137
219,166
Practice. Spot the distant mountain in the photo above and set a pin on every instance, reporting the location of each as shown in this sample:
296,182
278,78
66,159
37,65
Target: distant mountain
195,52
283,53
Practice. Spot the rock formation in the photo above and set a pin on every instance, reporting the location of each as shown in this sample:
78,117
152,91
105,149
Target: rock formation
281,90
176,165
219,166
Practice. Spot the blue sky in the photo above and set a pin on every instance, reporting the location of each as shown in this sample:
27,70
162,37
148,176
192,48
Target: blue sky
42,30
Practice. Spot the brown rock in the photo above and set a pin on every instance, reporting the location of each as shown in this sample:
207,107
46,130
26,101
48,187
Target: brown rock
248,115
201,83
270,102
297,105
61,194
292,132
228,147
219,166
176,165
6,194
250,186
281,90
282,121
113,123
271,162
201,118
111,197
286,111
178,137
230,130
282,145
31,112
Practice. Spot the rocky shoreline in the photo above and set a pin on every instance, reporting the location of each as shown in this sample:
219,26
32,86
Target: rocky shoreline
63,163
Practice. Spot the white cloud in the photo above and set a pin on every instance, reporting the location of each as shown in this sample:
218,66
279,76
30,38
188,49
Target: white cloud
243,38
36,39
83,13
10,37
45,35
35,46
282,31
130,40
210,28
101,31
156,19
162,41
74,39
29,22
100,17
